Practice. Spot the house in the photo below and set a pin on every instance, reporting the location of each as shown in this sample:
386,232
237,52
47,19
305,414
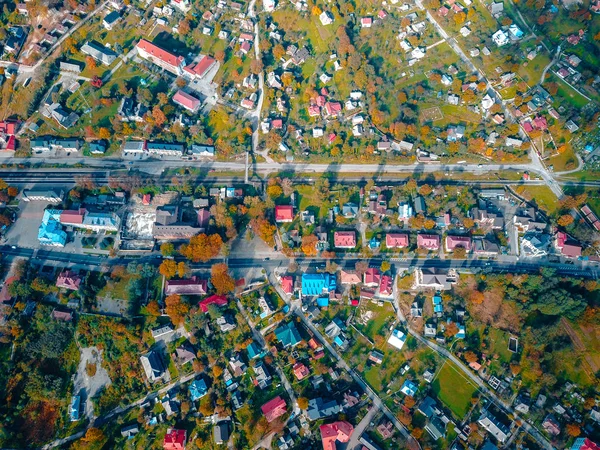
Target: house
376,356
344,239
130,431
485,247
349,210
110,20
397,339
174,439
436,427
254,351
366,22
221,432
333,432
455,133
197,389
63,316
314,284
68,280
326,18
263,378
162,58
97,147
218,300
274,408
237,365
300,371
420,207
497,8
409,388
452,242
349,277
513,142
287,284
438,307
584,444
494,426
184,354
535,244
70,67
372,277
202,151
186,101
191,286
430,330
153,366
100,53
405,211
433,278
284,213
288,335
568,247
428,241
500,38
319,408
333,108
515,32
201,69
386,286
165,148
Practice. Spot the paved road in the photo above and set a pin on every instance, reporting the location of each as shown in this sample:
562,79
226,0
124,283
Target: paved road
359,429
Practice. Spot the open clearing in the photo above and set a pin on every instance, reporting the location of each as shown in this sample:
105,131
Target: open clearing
431,114
88,386
454,390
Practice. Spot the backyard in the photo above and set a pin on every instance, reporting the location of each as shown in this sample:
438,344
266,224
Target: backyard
454,390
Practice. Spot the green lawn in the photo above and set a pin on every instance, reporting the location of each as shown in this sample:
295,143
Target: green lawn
565,92
542,195
498,344
382,315
453,389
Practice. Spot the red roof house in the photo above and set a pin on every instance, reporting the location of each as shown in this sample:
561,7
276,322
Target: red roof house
219,300
333,108
585,444
372,277
527,126
567,247
191,286
314,110
8,127
201,68
344,239
11,143
428,241
336,431
160,57
458,241
203,217
349,277
277,124
274,408
174,439
540,123
146,199
284,213
245,47
74,216
186,101
68,280
301,371
65,316
287,284
385,287
396,240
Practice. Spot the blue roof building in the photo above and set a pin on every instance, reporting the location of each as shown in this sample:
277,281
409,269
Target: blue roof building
374,243
323,302
198,389
461,332
288,335
51,231
409,388
74,409
317,283
254,351
437,304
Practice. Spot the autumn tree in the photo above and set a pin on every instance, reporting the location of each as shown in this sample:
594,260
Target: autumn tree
385,266
256,66
176,309
309,245
470,356
476,297
451,330
264,230
159,116
168,268
459,253
302,403
425,190
573,429
90,62
221,279
202,247
104,133
565,220
167,249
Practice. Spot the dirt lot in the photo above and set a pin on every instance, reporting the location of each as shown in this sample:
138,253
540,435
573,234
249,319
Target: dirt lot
88,386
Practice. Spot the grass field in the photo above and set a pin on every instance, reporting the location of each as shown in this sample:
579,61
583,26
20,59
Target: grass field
454,390
381,316
542,195
565,92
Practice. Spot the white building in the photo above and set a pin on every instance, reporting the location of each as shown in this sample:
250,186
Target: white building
500,38
397,339
269,5
326,18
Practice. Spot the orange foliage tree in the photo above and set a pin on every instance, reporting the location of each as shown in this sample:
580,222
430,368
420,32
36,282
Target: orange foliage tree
221,279
176,309
202,247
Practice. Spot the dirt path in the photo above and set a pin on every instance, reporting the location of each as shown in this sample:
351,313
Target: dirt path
591,367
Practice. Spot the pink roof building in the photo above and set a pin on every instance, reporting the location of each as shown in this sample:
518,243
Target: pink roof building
567,247
8,127
336,431
64,316
191,286
527,126
366,22
344,239
382,14
396,240
443,11
160,57
333,108
218,300
321,100
428,241
386,287
174,439
72,216
68,280
372,277
245,47
284,213
287,284
452,242
349,277
540,123
314,110
186,101
300,371
277,124
274,408
203,217
146,199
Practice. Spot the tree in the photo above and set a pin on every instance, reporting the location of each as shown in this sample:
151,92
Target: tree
184,27
167,249
159,116
409,401
176,309
565,220
451,330
104,133
302,403
385,266
12,191
278,51
93,436
221,279
476,297
256,66
153,309
168,268
275,191
573,429
470,356
425,190
220,56
202,247
90,62
309,245
459,253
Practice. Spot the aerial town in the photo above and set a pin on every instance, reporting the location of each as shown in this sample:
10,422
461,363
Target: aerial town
294,224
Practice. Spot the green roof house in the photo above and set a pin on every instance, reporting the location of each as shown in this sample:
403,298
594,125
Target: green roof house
288,335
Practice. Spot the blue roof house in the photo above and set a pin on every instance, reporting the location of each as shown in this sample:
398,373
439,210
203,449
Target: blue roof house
323,302
74,409
254,351
51,231
317,283
288,335
198,389
409,388
437,304
461,332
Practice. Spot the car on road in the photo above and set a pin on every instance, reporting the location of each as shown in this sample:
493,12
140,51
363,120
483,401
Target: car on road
266,259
